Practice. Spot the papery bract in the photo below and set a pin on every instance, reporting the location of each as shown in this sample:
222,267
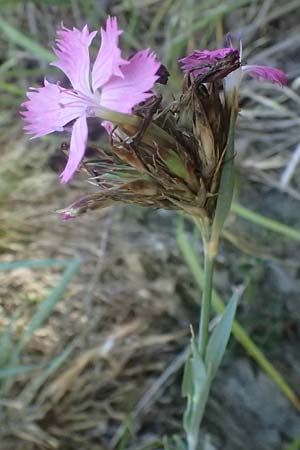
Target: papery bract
122,83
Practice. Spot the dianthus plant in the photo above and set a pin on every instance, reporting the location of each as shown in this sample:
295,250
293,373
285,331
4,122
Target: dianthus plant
178,156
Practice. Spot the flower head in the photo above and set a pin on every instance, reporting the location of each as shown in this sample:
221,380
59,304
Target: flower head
200,62
116,84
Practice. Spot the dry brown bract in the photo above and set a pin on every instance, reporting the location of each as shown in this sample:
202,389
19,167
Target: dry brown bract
171,156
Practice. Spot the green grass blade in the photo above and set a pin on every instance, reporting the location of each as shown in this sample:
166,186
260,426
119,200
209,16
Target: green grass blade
265,222
8,372
31,389
11,265
6,339
34,49
47,305
220,336
11,88
43,311
237,330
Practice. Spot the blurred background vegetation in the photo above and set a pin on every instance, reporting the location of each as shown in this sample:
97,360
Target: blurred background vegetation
95,312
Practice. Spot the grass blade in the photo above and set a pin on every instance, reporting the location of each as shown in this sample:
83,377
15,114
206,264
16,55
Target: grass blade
10,356
8,372
31,389
25,264
220,336
6,338
265,222
47,305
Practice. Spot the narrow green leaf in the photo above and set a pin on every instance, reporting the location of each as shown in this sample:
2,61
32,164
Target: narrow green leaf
195,410
196,386
47,306
8,372
219,339
197,367
194,371
202,400
31,389
43,311
187,381
6,339
11,265
266,222
11,88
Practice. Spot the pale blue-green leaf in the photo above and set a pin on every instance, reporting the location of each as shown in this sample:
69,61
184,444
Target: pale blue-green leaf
202,399
218,340
194,372
194,415
187,381
31,388
198,368
8,372
21,264
6,338
46,307
196,385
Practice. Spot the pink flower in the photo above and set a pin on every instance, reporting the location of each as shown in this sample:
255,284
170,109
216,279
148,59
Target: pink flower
116,84
201,61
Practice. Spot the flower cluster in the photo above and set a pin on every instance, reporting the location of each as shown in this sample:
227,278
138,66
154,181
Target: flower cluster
165,156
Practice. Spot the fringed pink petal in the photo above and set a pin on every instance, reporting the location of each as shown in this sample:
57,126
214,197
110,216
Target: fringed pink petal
200,60
49,109
77,148
109,58
72,50
140,75
266,73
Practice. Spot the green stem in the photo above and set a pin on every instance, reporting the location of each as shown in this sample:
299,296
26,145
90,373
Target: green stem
206,302
210,251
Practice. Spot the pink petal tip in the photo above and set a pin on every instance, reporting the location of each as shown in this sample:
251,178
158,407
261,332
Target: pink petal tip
267,73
